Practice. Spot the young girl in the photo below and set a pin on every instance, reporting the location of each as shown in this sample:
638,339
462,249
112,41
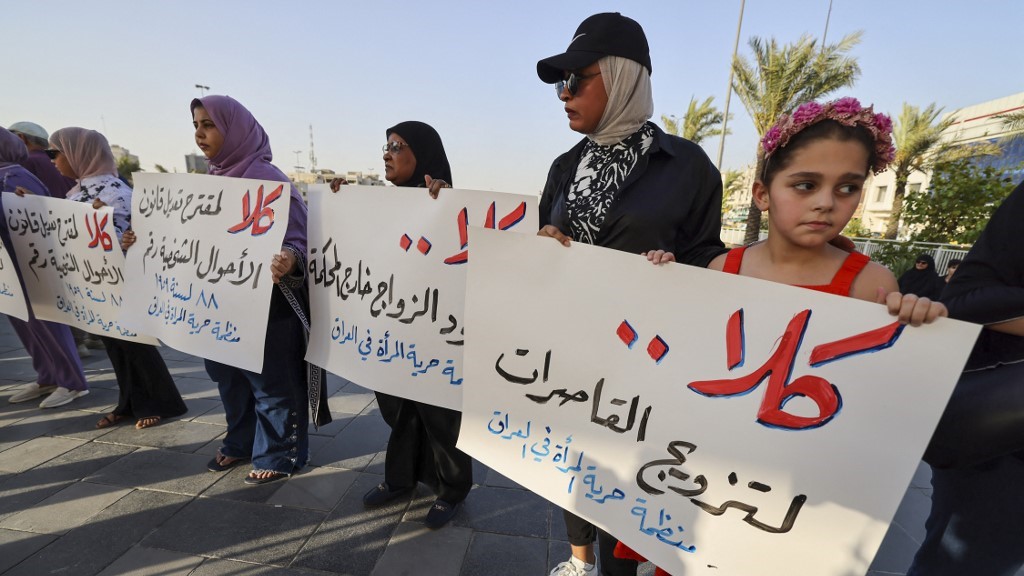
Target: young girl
815,164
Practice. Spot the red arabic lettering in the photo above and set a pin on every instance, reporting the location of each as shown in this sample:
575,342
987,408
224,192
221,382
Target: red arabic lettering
253,218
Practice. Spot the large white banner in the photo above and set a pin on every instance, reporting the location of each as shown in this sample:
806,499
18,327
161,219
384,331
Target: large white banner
12,299
719,425
387,269
199,274
71,262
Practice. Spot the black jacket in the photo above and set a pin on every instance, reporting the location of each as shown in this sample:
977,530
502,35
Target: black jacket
988,287
671,201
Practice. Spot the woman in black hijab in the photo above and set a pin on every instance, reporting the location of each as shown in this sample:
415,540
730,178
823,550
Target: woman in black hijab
421,447
922,279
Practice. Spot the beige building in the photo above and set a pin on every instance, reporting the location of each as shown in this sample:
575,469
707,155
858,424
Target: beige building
977,123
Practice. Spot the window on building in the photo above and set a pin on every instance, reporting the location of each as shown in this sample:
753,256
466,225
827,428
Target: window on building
914,188
880,194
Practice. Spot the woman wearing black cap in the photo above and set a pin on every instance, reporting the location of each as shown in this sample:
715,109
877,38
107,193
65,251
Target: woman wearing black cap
627,186
421,447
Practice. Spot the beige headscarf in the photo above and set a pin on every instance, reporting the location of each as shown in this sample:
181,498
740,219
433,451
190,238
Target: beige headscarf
630,100
87,151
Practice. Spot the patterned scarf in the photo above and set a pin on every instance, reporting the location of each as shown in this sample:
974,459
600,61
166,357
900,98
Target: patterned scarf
599,174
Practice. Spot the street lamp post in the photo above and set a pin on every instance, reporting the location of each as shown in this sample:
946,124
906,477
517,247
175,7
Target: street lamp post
202,90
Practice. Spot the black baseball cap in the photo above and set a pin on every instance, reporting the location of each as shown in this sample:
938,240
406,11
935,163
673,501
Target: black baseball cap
606,34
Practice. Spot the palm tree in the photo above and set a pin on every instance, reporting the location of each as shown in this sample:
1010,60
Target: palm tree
780,78
1014,124
915,133
700,122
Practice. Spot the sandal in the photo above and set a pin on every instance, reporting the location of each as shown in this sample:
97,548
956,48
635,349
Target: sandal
147,421
222,463
109,420
270,477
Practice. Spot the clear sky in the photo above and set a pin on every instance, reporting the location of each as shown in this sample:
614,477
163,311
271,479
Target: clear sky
352,69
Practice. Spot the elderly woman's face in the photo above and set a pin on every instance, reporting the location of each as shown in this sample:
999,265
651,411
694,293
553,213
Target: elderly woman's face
586,107
399,161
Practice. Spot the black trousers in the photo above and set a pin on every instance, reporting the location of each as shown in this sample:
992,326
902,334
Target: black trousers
421,448
144,383
581,533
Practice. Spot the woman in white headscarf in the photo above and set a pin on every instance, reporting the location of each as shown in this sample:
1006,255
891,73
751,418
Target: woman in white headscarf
626,185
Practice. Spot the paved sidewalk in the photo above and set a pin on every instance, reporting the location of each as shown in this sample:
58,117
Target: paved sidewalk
79,501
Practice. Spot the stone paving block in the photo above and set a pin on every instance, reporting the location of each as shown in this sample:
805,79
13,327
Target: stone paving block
352,538
922,477
416,549
895,553
17,546
95,545
11,413
197,387
376,465
912,513
99,400
81,425
142,561
218,567
499,480
161,470
198,407
66,509
231,486
180,436
34,452
182,369
211,447
356,445
315,488
237,530
350,402
22,491
558,528
503,555
17,365
339,420
214,415
505,511
42,423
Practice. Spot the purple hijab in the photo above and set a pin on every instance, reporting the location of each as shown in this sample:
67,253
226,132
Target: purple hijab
246,153
12,174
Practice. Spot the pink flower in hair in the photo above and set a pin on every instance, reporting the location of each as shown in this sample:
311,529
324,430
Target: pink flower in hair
806,113
771,138
883,123
848,106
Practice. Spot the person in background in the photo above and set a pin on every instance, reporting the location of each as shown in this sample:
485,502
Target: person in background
951,268
267,412
146,390
626,185
977,514
421,447
50,345
922,279
36,139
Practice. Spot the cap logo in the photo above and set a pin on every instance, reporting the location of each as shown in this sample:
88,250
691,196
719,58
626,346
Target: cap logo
578,36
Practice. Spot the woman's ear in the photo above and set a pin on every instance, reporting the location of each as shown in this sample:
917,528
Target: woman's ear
760,194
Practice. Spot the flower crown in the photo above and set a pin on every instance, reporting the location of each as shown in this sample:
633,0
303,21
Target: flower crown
846,111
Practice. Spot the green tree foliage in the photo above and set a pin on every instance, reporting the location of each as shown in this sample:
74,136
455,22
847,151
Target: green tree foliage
916,133
1014,124
732,180
160,169
959,202
780,78
856,229
898,257
125,167
702,121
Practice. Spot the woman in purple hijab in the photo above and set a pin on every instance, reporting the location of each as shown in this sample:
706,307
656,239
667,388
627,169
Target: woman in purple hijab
267,412
50,345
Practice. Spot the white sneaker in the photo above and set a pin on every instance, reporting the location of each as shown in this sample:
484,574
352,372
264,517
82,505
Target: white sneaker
31,392
574,567
60,397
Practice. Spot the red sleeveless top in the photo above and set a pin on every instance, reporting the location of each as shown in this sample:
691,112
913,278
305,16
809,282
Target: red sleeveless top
840,284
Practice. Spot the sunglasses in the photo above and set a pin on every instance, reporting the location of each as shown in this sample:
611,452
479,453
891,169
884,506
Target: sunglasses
572,83
52,153
393,147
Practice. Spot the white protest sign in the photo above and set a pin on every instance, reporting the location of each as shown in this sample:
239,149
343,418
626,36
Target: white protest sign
199,274
71,262
718,425
12,299
387,271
